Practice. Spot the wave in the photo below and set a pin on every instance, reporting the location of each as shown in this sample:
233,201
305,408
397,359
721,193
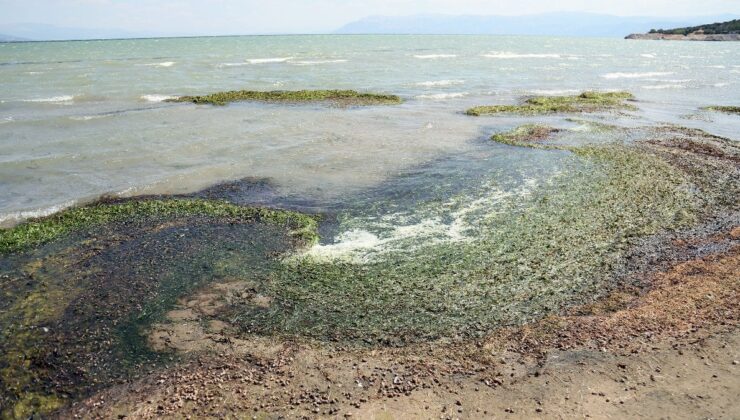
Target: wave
440,83
442,96
233,64
268,60
157,98
720,66
316,62
553,92
53,99
6,120
163,64
647,55
88,117
433,56
665,86
643,75
13,218
508,55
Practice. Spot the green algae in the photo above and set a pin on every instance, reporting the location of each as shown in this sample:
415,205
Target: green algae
552,251
37,232
73,311
341,97
589,101
724,108
528,135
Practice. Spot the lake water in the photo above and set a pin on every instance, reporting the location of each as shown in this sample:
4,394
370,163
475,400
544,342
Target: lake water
83,119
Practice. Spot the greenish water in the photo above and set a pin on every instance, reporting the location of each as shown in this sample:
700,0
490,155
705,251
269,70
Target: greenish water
81,119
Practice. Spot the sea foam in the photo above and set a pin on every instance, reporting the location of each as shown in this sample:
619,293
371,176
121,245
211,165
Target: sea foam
53,99
643,75
442,96
510,55
435,83
268,60
434,56
157,98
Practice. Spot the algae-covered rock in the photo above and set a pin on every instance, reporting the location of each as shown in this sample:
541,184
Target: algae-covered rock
338,97
589,101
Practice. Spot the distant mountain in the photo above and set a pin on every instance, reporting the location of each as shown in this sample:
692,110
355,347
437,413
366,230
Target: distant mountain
38,31
11,38
558,24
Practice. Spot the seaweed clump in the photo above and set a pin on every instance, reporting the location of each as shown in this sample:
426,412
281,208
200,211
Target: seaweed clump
40,231
590,101
727,109
338,97
528,135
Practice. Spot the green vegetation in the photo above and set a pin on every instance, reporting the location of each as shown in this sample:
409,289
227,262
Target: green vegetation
37,232
556,247
724,108
528,135
585,102
731,27
340,97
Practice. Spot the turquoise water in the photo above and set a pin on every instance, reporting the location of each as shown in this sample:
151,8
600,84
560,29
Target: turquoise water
83,119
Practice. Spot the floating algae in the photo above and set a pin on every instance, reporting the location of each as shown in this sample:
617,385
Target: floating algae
585,102
338,97
724,108
526,262
73,310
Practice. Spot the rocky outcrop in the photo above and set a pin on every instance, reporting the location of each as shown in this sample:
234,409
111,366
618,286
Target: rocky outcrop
689,37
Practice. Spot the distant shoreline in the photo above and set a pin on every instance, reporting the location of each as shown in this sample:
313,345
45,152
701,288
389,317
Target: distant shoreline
690,37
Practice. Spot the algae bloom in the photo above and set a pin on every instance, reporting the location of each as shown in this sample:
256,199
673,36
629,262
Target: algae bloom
589,101
338,97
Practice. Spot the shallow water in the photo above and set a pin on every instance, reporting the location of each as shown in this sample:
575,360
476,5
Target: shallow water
82,119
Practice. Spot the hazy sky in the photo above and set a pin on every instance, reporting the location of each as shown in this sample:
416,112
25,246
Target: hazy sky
302,16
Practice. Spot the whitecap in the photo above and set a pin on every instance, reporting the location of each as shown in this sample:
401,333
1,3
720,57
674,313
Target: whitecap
719,85
665,86
643,75
440,83
433,56
508,55
163,64
233,64
157,98
553,92
6,120
268,60
442,96
87,117
316,62
716,67
53,99
647,55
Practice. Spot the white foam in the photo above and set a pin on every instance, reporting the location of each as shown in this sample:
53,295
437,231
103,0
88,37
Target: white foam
157,98
434,56
509,55
644,75
442,96
376,237
268,60
163,64
53,99
553,92
233,64
716,67
665,86
34,73
441,83
6,120
647,55
719,85
10,219
87,117
316,62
